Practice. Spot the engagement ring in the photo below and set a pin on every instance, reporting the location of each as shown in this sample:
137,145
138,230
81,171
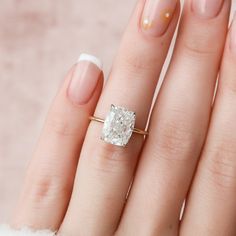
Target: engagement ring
119,126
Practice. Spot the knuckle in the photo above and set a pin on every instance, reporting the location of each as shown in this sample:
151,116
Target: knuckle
41,189
45,187
221,166
176,141
137,63
60,126
228,85
198,47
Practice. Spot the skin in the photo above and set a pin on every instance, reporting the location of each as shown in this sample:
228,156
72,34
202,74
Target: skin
188,155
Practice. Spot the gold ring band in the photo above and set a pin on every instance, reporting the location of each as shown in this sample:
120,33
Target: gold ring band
137,131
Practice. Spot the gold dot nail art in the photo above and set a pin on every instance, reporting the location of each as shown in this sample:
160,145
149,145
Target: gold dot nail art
166,15
157,15
147,24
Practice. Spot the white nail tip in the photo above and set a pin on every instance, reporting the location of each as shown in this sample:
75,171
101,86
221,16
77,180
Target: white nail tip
90,58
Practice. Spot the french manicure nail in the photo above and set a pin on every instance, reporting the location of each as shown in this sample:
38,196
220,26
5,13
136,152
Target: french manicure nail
84,79
233,35
207,8
157,15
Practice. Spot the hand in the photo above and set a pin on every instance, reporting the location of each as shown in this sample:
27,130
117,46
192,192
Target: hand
77,184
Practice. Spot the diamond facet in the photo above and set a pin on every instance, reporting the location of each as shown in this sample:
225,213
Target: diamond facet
118,126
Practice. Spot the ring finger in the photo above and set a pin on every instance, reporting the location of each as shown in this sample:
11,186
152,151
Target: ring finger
105,171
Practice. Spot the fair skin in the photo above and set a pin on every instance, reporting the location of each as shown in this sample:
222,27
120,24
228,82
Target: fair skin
77,184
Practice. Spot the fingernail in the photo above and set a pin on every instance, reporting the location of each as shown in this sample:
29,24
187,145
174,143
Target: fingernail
207,8
157,15
233,35
84,79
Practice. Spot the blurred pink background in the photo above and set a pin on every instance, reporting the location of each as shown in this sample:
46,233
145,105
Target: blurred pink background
39,41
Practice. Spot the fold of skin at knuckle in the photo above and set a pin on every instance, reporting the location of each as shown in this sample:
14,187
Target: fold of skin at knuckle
45,188
230,58
227,81
176,140
220,165
62,125
201,42
227,87
198,49
139,59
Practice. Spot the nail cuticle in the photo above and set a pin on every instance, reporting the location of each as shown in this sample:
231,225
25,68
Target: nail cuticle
207,9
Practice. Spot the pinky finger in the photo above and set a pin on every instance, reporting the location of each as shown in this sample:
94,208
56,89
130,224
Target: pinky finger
50,175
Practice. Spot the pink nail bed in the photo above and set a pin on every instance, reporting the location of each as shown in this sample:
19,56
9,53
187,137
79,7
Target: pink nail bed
157,15
84,79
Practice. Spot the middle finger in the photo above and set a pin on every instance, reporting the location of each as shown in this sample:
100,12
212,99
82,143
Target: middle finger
105,171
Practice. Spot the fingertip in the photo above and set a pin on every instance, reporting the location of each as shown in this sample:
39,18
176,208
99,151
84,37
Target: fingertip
84,79
92,59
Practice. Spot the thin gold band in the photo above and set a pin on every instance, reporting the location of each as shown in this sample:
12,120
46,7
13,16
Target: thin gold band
137,131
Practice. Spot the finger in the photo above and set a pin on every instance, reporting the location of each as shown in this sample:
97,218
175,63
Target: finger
105,171
50,175
178,125
211,207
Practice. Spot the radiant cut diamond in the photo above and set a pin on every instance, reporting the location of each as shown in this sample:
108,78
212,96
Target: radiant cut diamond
118,126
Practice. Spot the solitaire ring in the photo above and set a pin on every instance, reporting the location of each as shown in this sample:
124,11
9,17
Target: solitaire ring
119,126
